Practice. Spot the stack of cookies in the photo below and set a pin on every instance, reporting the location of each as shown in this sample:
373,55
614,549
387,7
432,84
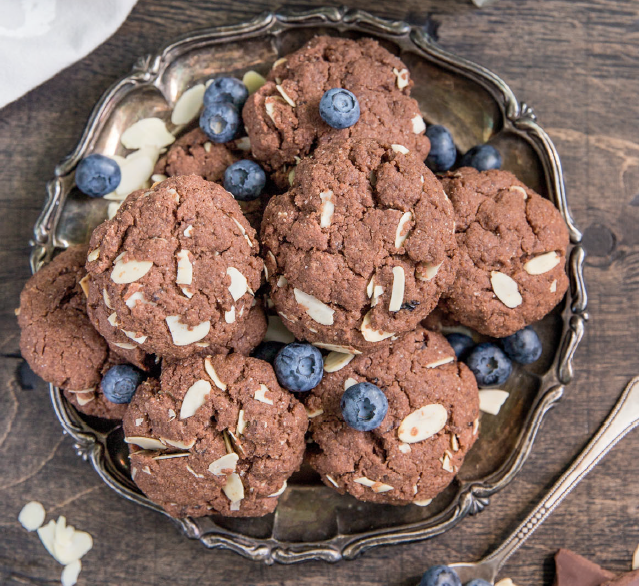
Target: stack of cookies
161,320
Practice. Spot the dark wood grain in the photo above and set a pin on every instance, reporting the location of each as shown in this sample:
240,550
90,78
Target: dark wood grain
576,62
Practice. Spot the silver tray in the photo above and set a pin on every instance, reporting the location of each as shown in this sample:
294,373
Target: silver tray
312,521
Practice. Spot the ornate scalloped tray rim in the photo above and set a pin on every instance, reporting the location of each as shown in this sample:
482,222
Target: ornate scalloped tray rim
472,497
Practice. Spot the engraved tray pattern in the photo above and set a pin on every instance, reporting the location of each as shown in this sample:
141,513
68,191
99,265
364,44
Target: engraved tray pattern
312,521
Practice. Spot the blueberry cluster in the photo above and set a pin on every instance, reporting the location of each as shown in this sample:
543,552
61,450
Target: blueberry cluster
443,153
492,364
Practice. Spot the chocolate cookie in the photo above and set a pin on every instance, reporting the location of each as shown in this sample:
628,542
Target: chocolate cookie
218,435
511,252
282,118
431,423
177,266
360,248
57,338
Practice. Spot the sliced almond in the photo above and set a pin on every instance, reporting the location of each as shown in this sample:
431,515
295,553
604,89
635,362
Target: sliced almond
134,336
139,421
188,105
374,485
399,148
178,444
239,284
330,479
32,515
378,291
349,382
314,413
491,400
441,362
282,281
253,81
158,178
335,361
125,272
112,209
229,316
171,456
337,348
182,334
291,176
397,292
423,423
241,422
446,463
184,268
423,503
269,106
113,320
426,271
124,345
243,231
505,289
195,397
243,144
279,62
542,264
194,472
279,491
520,189
371,335
172,414
93,255
418,124
553,286
404,448
84,399
476,426
70,573
225,465
505,582
106,298
315,309
146,443
454,443
208,367
370,287
188,231
635,559
403,78
277,332
260,395
286,97
148,132
136,170
400,234
327,209
233,489
132,300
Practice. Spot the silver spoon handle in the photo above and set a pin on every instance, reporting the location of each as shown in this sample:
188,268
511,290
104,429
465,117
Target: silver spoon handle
623,418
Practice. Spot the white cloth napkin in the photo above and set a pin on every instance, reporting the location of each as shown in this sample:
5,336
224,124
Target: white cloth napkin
38,38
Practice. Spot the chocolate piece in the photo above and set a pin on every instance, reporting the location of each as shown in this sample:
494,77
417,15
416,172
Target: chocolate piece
629,579
572,569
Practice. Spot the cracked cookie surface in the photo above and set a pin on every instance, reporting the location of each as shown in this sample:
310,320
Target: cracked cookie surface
504,227
416,371
361,247
211,408
177,267
282,118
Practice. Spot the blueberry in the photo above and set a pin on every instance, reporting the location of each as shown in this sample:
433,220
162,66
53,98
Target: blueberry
461,344
440,576
267,351
523,346
220,121
443,154
478,582
482,157
120,381
339,108
244,180
299,367
97,175
489,364
364,406
226,89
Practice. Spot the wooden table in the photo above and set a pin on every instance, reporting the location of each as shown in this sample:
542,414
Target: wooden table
576,63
